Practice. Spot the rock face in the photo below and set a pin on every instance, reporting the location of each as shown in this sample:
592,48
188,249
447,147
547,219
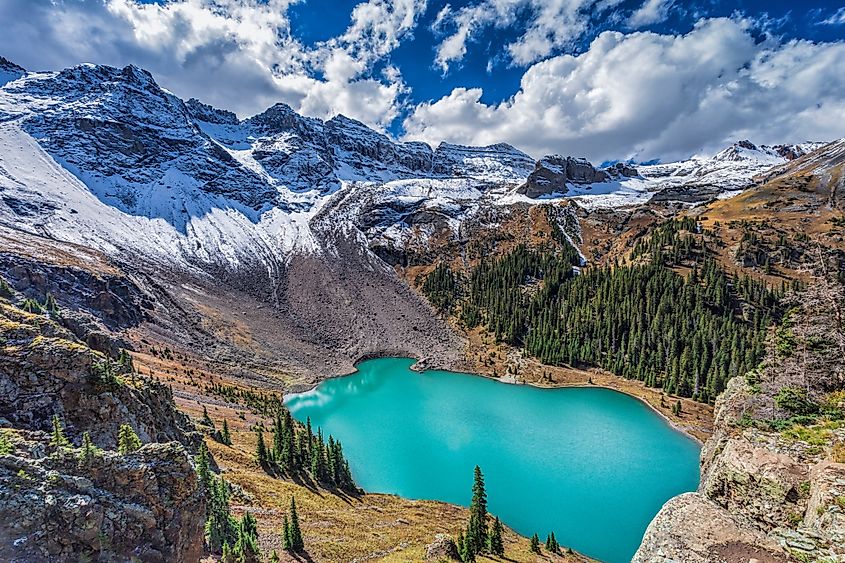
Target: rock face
56,505
553,174
761,497
690,528
145,506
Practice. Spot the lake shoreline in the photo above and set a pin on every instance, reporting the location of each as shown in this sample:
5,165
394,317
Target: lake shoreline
421,365
456,420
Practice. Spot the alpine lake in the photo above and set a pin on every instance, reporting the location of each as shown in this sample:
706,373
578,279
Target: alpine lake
590,464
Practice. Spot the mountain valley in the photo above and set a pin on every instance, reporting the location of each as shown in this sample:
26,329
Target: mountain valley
227,262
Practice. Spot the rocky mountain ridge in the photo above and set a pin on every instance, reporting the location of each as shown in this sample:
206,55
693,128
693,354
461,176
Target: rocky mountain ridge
104,157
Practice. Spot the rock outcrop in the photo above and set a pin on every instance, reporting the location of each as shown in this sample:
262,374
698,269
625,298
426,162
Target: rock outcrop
553,174
761,497
144,506
62,502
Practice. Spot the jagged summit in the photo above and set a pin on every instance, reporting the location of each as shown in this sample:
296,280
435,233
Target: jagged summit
105,157
9,71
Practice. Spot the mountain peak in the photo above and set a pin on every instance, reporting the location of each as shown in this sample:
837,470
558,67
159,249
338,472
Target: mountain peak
9,71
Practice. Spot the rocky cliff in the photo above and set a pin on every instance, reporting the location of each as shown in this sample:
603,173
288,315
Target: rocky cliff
773,474
61,500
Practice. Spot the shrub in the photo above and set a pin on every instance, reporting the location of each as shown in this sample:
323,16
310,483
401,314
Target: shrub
127,440
796,401
6,446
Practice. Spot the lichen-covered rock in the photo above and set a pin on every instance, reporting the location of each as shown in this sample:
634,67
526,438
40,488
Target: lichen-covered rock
757,482
693,529
55,506
145,506
443,548
825,515
46,371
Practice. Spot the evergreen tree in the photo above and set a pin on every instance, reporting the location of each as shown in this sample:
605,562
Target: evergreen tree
260,448
127,440
286,544
225,438
476,535
220,526
296,542
535,543
206,420
551,543
495,541
202,465
246,546
58,439
466,550
88,450
227,555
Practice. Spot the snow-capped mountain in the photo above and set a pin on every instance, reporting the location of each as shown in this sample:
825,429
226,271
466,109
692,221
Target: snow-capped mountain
9,71
731,169
104,157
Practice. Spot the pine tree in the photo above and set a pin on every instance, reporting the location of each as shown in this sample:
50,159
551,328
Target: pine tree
225,438
246,547
296,542
467,551
220,527
286,534
58,439
495,541
88,450
227,556
260,448
535,543
551,543
477,528
206,420
127,440
202,464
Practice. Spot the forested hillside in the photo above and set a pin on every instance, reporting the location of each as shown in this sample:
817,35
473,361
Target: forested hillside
669,315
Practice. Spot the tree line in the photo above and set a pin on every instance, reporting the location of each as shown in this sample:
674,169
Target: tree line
687,332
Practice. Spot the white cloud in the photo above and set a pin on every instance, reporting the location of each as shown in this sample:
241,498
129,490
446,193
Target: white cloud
236,54
651,12
549,25
837,18
646,95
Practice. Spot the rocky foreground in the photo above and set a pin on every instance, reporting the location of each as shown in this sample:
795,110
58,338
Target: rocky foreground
64,500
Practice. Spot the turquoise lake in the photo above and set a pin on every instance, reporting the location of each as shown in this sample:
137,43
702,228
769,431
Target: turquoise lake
590,464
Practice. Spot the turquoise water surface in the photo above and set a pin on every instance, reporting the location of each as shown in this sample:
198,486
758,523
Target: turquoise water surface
590,464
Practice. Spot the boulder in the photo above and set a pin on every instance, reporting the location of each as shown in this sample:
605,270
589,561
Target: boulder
442,548
693,529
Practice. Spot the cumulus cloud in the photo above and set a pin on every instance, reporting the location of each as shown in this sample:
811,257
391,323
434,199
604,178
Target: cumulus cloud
237,54
646,95
652,12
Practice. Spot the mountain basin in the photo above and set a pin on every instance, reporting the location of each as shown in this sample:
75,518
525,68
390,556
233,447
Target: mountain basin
591,464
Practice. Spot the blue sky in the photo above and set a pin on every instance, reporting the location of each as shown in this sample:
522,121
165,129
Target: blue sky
319,20
606,79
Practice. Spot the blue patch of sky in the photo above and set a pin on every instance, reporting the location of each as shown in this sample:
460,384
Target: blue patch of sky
487,65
